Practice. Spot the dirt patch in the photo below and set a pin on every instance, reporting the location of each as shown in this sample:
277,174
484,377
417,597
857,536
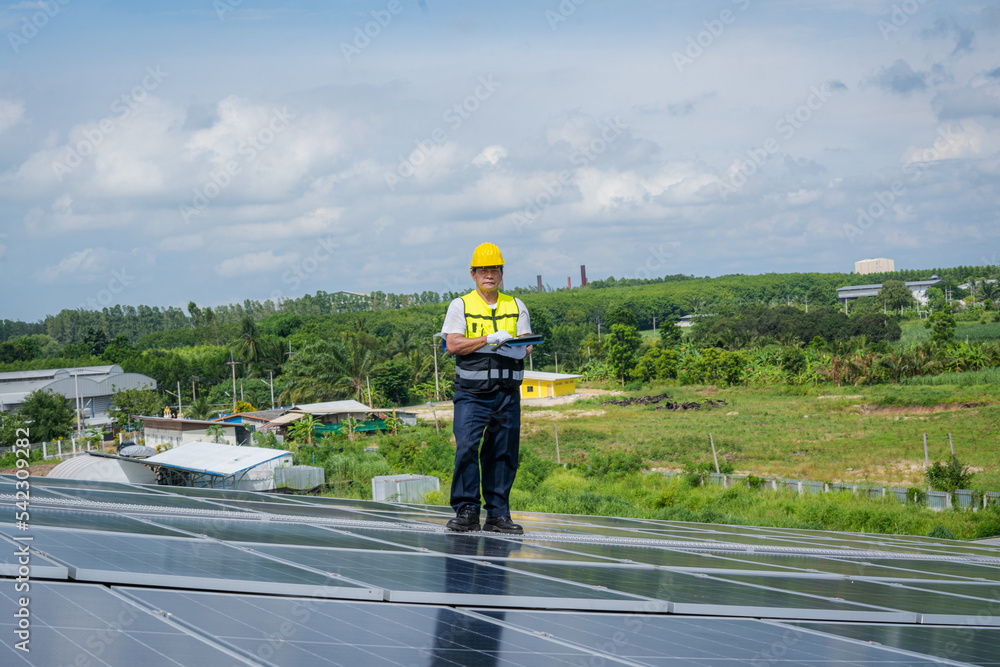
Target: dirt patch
916,409
553,415
36,470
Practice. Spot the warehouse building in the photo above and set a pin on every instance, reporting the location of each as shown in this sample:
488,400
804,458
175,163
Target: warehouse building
92,385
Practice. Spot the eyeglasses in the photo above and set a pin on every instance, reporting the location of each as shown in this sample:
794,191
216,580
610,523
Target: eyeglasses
486,270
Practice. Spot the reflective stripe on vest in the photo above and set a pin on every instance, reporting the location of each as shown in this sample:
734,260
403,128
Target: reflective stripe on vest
472,375
481,320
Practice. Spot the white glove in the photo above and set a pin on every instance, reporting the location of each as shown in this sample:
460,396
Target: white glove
519,352
498,337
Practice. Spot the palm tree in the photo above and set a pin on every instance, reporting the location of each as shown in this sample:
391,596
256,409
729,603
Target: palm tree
249,341
201,409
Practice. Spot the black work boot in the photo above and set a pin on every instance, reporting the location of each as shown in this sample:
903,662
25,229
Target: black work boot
503,524
466,520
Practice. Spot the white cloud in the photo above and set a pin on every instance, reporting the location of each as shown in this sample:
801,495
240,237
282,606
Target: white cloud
490,155
81,265
953,141
11,113
184,242
259,263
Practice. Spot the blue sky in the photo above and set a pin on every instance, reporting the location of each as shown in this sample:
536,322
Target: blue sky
158,153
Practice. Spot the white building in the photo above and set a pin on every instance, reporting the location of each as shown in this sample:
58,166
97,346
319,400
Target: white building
93,385
879,265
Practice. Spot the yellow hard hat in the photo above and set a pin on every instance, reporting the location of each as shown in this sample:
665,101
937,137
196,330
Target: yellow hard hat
486,254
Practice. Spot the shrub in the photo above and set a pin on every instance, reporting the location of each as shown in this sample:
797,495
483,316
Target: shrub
941,532
755,482
949,476
615,464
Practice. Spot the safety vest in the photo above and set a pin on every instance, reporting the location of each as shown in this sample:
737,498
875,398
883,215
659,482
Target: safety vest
484,371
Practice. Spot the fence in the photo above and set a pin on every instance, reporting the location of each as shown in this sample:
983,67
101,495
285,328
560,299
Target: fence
58,449
936,500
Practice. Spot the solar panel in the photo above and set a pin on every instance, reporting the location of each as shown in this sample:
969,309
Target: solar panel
667,641
433,578
58,517
695,592
182,562
973,645
271,532
945,608
86,624
699,594
303,632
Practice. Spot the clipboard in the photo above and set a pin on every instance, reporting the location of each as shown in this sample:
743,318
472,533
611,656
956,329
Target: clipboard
534,339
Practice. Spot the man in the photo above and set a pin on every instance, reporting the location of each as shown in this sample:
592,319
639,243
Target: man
487,401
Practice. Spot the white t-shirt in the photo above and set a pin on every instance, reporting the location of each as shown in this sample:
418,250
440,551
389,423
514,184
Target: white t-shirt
454,321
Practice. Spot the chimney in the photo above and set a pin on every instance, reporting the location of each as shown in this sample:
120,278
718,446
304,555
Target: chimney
540,290
583,275
569,282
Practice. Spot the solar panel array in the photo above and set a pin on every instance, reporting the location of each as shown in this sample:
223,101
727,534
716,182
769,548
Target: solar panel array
148,575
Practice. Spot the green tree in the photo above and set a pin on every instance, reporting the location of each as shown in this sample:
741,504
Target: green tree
97,340
200,409
128,405
942,325
620,314
670,334
392,379
895,295
47,414
622,350
11,424
303,429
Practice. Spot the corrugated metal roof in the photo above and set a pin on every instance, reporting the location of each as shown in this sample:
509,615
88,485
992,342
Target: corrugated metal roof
216,459
53,373
103,469
539,375
332,407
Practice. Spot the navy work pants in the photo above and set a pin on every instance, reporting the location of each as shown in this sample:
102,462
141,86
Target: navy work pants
487,435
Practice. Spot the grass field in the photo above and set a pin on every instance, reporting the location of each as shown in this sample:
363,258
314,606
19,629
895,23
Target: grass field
915,332
867,434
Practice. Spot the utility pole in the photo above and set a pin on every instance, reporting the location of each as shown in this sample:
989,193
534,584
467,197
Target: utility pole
232,363
180,408
194,396
271,385
437,388
76,402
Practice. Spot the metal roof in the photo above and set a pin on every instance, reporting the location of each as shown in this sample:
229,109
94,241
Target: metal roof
540,375
103,469
333,407
215,458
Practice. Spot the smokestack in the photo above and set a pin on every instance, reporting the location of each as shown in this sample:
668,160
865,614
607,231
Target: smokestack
569,282
583,275
540,290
